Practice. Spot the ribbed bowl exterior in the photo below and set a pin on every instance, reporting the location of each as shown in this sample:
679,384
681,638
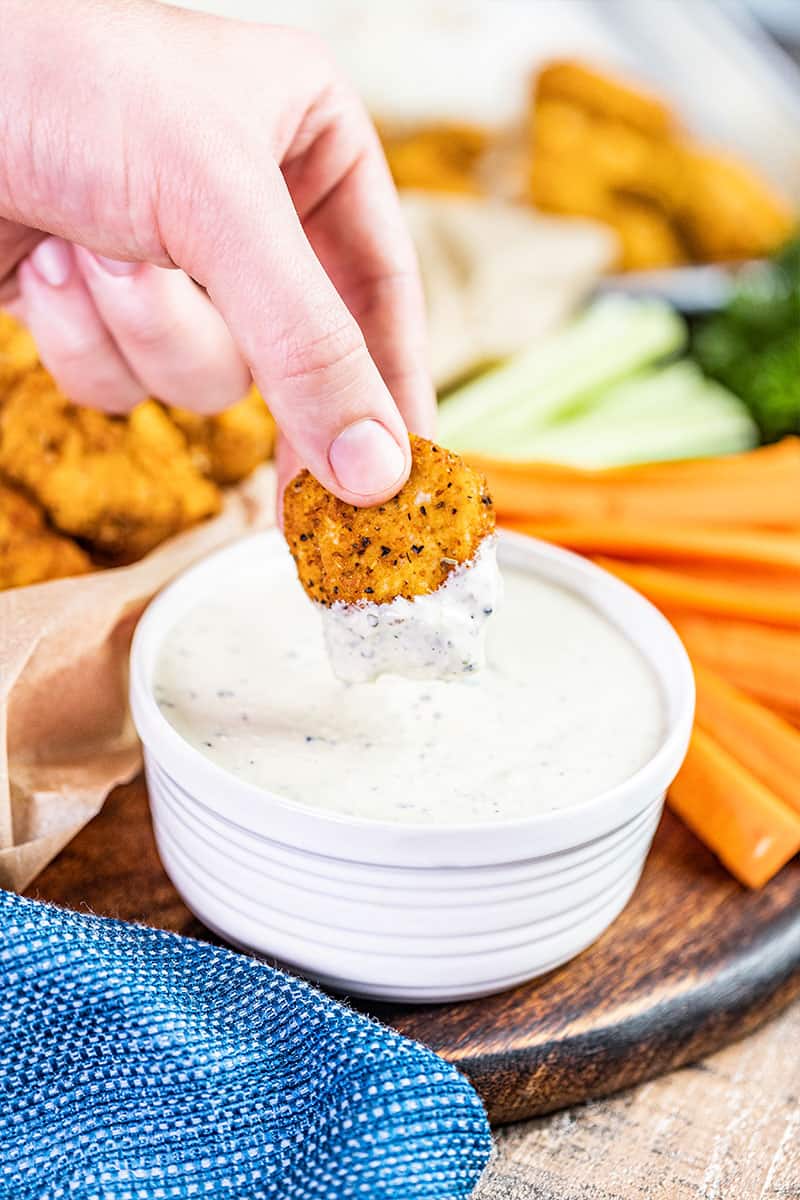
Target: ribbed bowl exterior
401,934
398,913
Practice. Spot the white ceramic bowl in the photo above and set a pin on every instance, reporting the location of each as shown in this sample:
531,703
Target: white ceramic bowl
404,912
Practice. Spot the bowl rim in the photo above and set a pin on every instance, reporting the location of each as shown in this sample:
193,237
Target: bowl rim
305,826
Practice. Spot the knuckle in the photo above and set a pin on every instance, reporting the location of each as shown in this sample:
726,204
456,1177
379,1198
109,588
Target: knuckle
396,291
329,354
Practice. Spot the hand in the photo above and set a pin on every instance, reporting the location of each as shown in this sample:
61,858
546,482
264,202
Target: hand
142,139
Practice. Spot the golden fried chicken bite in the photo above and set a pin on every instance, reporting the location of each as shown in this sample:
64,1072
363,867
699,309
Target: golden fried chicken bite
563,186
30,551
231,444
606,96
18,353
406,587
121,484
440,158
619,158
727,211
647,240
406,547
606,149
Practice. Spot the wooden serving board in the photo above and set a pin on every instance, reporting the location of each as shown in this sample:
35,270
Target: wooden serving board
693,963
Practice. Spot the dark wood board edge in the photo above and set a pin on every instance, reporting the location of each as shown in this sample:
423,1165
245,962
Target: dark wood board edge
522,1084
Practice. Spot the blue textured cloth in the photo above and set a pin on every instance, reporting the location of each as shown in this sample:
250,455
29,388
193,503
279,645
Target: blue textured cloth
139,1065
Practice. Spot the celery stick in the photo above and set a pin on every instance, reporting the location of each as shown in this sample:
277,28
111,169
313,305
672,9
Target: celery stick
640,422
713,438
613,338
645,393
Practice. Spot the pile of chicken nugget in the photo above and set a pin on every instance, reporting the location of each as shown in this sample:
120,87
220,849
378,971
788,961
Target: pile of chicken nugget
80,489
594,145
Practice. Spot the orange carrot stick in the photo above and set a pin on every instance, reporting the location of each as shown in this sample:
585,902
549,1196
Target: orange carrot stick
673,589
762,660
761,488
746,825
761,741
763,463
780,458
740,549
759,579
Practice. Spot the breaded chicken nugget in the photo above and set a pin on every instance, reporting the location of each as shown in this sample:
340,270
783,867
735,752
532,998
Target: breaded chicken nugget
727,211
605,96
122,484
31,552
647,240
406,547
605,149
18,354
444,157
619,157
231,444
561,185
406,587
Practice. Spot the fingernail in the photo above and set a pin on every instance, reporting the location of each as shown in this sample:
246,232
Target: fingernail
366,459
52,261
115,266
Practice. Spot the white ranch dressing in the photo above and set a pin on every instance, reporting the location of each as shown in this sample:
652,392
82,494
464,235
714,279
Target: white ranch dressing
440,635
566,708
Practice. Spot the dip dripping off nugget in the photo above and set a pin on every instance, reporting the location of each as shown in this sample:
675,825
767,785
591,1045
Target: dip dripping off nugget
405,587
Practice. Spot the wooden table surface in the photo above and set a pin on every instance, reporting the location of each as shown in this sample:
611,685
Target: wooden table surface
726,1129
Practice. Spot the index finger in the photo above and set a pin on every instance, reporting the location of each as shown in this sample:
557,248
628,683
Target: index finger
347,202
244,243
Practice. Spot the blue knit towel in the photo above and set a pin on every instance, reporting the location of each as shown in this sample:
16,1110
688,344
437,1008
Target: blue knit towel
139,1065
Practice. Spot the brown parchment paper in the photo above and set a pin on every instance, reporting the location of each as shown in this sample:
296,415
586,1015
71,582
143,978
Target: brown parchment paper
66,736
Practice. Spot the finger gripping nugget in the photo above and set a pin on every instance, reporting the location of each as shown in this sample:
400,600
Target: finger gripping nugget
405,547
405,587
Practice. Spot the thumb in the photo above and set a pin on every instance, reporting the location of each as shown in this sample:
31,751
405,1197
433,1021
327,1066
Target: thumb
306,352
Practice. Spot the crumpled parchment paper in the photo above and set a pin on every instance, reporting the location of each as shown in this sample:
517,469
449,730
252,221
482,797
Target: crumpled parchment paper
66,735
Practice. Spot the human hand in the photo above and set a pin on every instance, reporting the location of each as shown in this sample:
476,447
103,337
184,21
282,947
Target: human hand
139,138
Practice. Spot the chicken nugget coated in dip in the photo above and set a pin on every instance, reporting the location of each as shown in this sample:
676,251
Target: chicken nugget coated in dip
405,586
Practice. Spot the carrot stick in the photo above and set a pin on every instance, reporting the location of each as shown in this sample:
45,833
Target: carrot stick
764,743
781,457
762,660
673,589
759,580
763,463
737,548
743,822
761,488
